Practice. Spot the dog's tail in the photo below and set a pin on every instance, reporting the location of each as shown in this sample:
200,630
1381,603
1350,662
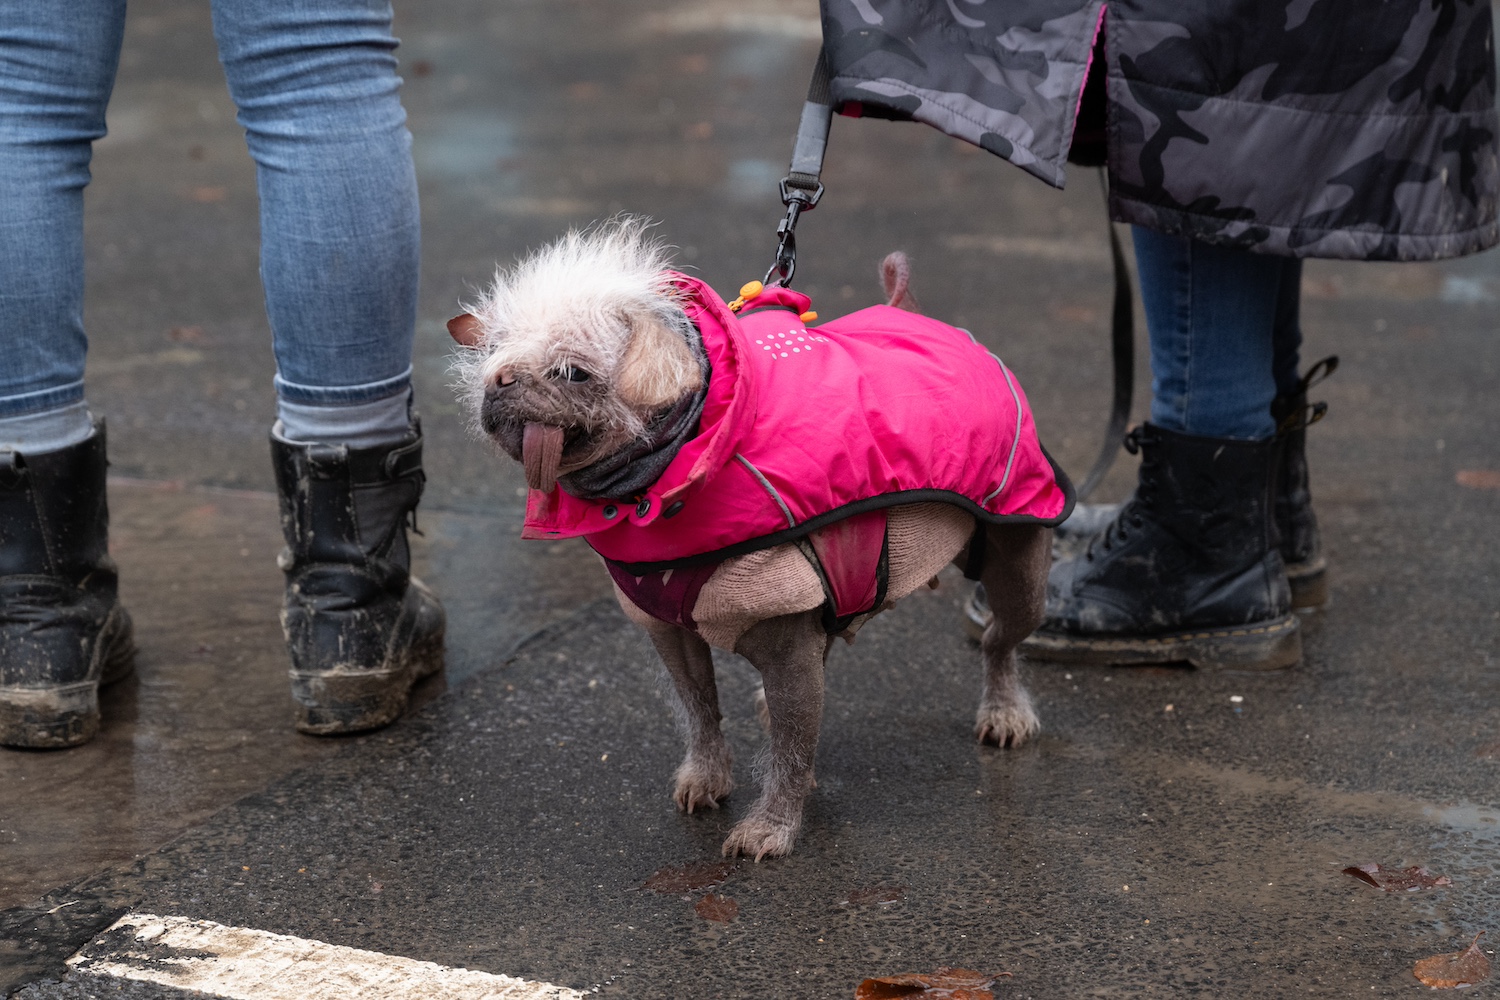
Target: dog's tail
895,277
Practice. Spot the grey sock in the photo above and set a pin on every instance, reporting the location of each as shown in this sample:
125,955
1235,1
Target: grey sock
358,425
50,430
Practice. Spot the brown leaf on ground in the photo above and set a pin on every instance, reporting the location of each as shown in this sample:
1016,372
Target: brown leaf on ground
695,876
1479,479
208,194
1397,879
877,895
717,909
943,984
1462,968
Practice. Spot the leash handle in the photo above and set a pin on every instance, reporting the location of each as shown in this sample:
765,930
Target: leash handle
801,189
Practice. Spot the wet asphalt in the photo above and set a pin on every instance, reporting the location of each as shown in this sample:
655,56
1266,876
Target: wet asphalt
1170,832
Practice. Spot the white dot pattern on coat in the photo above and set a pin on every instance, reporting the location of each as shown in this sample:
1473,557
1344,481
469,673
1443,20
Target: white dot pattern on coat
790,343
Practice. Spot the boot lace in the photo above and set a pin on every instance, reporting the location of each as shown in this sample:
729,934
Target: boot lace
1143,500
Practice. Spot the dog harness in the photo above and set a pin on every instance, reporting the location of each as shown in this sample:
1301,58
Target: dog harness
808,435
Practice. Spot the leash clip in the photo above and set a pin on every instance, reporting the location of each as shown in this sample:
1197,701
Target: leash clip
798,199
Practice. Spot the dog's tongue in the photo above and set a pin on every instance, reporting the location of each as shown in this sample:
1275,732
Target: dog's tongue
541,454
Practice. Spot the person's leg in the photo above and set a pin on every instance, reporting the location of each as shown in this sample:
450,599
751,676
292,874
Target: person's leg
316,88
317,93
1188,569
1210,311
62,630
57,68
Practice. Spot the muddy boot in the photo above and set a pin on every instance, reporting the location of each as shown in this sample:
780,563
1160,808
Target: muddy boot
1188,569
360,630
62,629
1296,524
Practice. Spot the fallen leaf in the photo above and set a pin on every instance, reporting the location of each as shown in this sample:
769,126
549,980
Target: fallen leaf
879,895
676,880
716,909
1462,968
944,984
421,68
208,195
1397,879
187,334
1479,479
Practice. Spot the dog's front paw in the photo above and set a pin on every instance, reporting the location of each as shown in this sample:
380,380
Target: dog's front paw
758,837
1007,723
702,780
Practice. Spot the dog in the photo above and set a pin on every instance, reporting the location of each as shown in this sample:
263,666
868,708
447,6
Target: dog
653,419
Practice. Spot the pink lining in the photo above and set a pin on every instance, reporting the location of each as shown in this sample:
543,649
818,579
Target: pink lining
1088,67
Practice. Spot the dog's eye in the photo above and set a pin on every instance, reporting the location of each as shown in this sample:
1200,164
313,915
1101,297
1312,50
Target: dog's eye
576,374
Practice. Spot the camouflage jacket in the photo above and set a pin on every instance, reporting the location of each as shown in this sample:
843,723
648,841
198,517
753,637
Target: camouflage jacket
1320,128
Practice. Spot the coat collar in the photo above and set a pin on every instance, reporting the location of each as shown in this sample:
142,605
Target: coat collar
728,414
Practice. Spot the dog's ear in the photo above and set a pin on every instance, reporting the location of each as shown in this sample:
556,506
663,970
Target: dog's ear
658,367
466,329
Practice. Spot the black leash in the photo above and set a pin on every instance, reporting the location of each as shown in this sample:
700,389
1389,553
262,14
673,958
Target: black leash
1122,347
801,190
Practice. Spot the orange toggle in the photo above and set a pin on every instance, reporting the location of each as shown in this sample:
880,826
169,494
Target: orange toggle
808,316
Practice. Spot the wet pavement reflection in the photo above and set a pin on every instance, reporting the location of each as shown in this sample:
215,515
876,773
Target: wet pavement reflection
1169,833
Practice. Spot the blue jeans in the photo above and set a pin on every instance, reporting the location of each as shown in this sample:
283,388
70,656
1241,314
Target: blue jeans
316,88
1225,334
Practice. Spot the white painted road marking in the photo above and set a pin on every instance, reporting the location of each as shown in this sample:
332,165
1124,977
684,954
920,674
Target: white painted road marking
246,964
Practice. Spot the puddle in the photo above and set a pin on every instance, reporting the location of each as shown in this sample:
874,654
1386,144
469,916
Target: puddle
1465,816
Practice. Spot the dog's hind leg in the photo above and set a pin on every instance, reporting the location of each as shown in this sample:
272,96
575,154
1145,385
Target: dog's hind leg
1017,558
705,775
789,652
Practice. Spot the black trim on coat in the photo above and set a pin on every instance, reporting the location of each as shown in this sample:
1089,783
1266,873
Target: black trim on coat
897,499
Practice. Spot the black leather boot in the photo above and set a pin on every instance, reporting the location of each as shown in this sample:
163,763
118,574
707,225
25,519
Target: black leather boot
360,630
63,631
1188,570
1296,524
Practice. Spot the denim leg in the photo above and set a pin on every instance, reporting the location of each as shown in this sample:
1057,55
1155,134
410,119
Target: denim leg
1211,311
1286,335
316,88
57,68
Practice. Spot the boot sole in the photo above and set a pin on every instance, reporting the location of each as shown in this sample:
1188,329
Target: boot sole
332,702
66,715
1267,646
1309,584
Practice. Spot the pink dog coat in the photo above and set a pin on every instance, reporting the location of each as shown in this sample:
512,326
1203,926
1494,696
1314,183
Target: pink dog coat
807,435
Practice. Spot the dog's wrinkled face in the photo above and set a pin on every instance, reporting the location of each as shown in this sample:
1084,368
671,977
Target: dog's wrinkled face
573,351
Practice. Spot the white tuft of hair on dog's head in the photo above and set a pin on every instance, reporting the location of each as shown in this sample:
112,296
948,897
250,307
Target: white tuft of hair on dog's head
600,299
